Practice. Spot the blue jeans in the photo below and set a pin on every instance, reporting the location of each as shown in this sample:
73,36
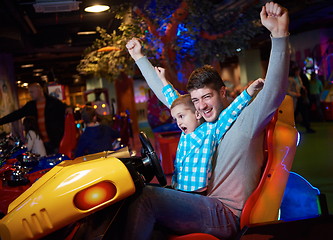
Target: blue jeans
180,213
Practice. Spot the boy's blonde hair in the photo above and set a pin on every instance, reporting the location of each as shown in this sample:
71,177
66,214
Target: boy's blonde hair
185,100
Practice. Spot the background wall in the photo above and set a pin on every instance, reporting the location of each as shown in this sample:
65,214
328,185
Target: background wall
8,93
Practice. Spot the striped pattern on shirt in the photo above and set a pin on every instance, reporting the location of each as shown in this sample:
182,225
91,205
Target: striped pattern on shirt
41,120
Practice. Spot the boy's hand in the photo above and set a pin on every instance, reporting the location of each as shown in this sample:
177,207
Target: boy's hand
275,18
161,74
255,86
134,48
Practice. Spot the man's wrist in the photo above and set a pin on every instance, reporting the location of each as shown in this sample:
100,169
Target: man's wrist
280,34
137,57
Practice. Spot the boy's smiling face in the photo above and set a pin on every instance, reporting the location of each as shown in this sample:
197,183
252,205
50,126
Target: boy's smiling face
186,119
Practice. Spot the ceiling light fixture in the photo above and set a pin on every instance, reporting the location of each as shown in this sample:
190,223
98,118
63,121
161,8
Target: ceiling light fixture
86,33
44,78
96,6
37,74
27,65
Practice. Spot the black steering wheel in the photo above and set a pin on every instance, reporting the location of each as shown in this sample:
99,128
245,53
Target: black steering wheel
152,158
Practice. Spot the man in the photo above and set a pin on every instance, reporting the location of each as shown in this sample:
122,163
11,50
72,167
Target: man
50,115
239,157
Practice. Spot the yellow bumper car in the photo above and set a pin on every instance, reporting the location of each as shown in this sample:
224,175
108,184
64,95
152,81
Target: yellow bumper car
75,189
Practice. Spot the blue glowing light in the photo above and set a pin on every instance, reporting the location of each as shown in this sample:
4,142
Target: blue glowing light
184,43
306,181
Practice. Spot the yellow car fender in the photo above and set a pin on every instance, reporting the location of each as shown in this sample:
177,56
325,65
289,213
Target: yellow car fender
74,188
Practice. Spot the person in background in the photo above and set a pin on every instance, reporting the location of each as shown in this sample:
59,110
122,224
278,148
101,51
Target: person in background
33,140
315,89
302,101
96,137
49,112
239,158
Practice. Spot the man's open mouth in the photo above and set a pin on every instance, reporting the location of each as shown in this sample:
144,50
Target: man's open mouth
207,112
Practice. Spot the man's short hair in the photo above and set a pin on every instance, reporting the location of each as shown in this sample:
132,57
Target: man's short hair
185,100
87,114
35,84
205,76
38,86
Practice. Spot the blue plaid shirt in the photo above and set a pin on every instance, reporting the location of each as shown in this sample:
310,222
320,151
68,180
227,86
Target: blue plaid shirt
195,150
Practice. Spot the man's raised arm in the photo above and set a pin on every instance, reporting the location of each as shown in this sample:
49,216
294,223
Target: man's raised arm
275,18
146,68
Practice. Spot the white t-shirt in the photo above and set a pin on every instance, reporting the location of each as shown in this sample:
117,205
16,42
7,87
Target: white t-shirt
35,144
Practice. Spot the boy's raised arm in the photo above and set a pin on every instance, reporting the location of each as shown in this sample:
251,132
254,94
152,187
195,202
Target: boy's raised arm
161,74
255,86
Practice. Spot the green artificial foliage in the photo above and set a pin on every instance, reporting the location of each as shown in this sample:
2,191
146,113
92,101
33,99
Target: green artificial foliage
228,27
109,64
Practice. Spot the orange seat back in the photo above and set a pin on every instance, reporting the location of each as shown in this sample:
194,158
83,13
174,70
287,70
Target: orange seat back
193,236
69,140
281,139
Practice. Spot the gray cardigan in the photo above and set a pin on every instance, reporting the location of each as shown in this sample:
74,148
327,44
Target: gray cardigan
239,158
